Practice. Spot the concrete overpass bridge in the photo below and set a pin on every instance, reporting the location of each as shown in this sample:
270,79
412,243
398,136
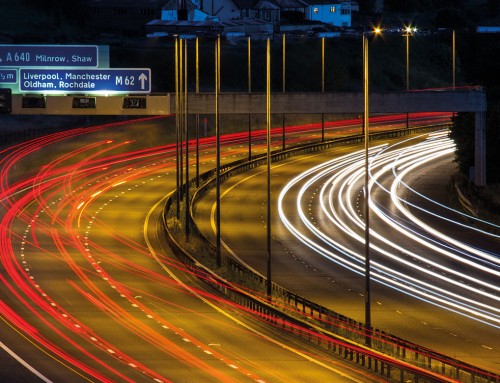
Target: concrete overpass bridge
470,99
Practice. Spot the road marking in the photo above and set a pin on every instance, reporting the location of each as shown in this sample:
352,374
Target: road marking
225,313
24,363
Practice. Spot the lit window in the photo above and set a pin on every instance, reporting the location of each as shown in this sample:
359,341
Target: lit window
332,9
315,10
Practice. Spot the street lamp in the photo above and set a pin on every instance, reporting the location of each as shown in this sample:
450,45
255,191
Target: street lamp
284,89
453,48
322,86
217,150
368,324
268,142
408,31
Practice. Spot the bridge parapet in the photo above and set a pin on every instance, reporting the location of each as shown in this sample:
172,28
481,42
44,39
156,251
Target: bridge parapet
462,100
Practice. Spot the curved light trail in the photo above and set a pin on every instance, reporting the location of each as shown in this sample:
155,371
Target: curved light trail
58,207
80,285
431,264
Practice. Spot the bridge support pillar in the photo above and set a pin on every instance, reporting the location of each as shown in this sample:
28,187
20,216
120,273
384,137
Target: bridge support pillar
480,149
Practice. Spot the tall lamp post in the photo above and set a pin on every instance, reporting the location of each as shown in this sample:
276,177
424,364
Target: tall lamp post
283,81
322,86
217,150
197,90
453,48
408,32
407,35
177,128
268,141
368,322
249,65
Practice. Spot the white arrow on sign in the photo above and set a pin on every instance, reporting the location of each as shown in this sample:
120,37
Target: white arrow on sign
143,78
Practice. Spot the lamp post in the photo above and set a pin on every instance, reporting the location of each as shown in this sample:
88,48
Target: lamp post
217,150
197,90
284,79
181,117
322,86
454,57
177,128
408,32
368,322
249,65
367,191
268,141
186,136
407,36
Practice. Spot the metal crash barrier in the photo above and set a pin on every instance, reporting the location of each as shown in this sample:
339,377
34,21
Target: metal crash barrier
393,358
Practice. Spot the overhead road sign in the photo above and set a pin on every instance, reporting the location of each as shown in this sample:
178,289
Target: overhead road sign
8,76
85,81
49,56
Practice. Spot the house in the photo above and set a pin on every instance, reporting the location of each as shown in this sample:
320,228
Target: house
187,20
222,9
330,12
259,18
183,10
245,17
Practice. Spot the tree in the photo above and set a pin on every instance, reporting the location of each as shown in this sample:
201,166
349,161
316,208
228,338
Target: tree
493,142
462,133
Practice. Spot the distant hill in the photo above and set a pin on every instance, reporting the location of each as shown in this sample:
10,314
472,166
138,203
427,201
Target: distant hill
35,21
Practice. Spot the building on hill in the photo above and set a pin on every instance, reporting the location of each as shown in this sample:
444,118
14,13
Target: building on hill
133,15
329,12
256,18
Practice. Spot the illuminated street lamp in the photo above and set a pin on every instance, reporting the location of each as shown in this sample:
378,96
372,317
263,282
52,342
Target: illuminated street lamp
368,324
408,31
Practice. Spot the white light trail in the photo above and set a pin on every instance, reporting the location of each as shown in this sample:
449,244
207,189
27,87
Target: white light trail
422,261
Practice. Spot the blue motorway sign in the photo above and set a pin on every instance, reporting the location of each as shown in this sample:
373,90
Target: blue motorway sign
109,80
48,56
8,76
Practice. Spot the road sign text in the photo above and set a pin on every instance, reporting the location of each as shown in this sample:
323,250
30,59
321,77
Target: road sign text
48,56
85,80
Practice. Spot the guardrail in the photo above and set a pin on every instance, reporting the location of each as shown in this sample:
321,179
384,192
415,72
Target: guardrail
394,358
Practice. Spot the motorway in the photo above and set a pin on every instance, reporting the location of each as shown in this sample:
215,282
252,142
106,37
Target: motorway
88,293
435,276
